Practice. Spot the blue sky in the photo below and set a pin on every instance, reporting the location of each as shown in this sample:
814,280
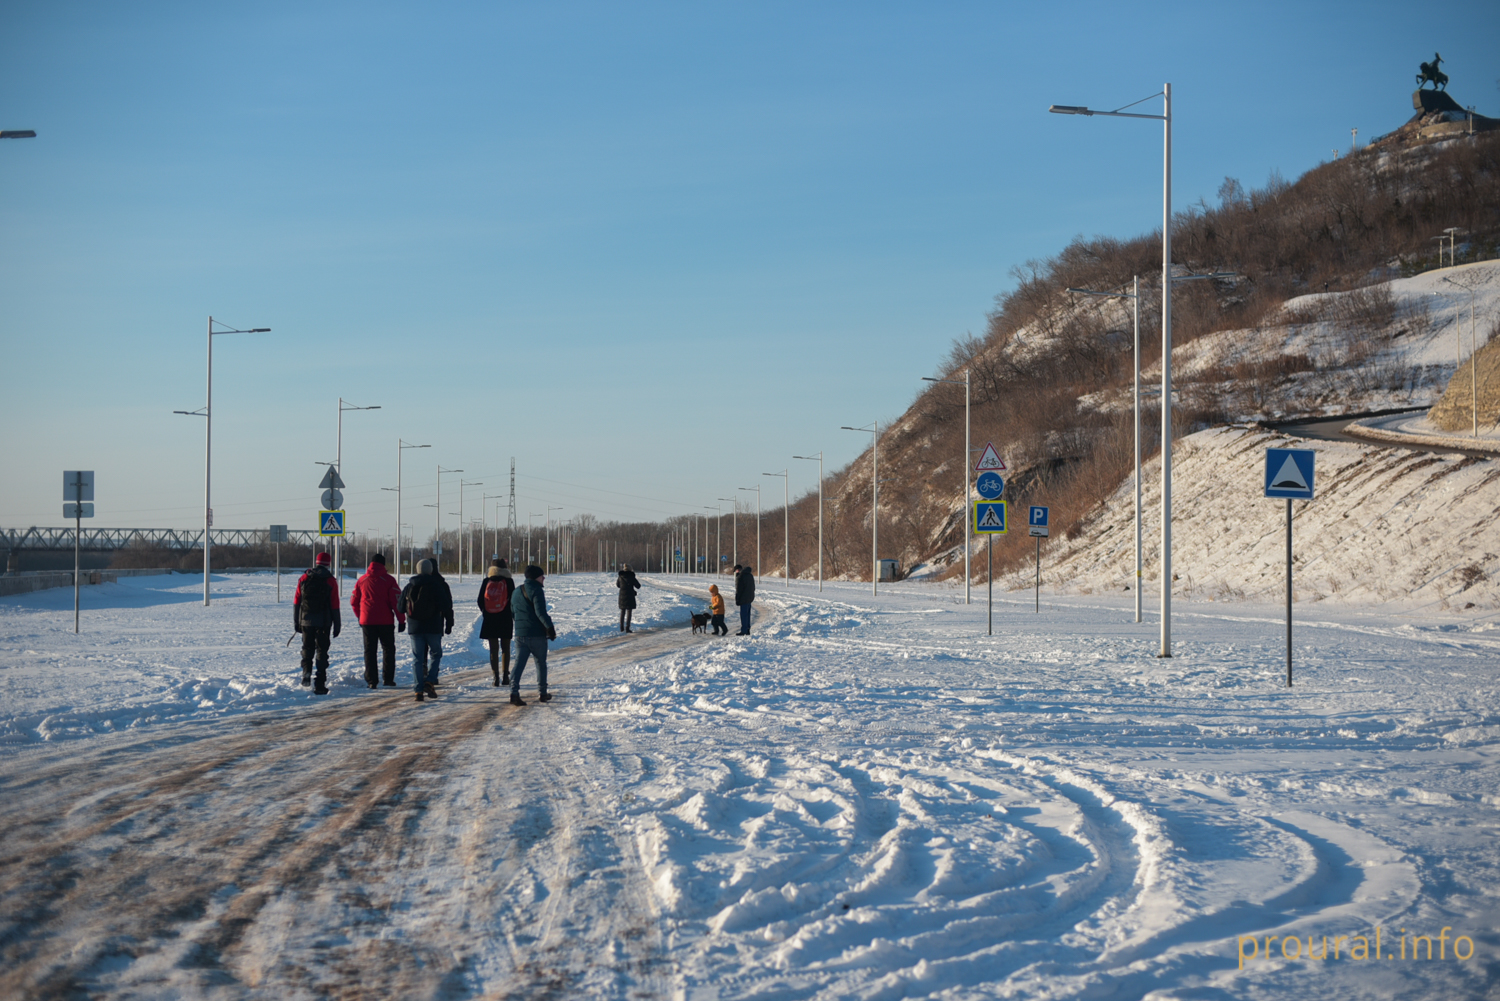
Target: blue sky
650,250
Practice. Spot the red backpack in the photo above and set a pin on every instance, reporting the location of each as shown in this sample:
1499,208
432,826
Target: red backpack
496,599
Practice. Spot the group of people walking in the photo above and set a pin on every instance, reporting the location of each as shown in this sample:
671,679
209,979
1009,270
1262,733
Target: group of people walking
424,610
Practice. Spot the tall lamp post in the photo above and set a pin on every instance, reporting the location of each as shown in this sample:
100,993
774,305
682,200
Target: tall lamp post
547,540
756,488
401,446
734,526
964,468
438,516
207,413
819,458
718,510
1166,340
786,527
1473,355
338,456
463,527
874,430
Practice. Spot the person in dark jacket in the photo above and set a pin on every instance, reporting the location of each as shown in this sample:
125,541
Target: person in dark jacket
533,629
315,614
376,601
628,585
744,595
497,592
429,615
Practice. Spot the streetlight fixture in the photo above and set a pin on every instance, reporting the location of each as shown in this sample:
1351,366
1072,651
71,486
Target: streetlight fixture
786,526
819,458
964,468
547,540
207,413
338,466
400,447
1473,355
438,522
756,488
874,430
1166,339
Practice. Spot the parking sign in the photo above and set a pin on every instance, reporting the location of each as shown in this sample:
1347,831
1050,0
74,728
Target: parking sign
1038,522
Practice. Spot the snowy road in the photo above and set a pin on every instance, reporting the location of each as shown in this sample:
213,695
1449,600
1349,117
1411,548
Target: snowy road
868,798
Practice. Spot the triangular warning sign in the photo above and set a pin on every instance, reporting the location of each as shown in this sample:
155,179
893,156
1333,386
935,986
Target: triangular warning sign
331,478
1290,477
989,460
989,519
331,523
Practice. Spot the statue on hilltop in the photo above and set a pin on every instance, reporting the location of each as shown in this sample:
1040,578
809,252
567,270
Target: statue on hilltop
1431,72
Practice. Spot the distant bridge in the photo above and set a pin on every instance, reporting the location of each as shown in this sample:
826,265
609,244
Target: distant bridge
109,539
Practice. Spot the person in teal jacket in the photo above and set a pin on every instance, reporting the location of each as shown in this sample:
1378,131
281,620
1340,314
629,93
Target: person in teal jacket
533,629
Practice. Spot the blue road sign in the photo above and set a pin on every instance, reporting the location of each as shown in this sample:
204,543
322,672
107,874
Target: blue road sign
1289,473
1038,523
330,523
990,485
989,517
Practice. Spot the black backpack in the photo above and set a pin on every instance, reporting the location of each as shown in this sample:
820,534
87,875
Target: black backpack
423,602
316,589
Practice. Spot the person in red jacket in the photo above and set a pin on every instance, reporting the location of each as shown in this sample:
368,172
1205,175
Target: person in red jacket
376,601
315,614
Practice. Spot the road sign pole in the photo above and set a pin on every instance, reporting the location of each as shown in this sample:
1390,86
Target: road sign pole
77,533
1039,575
989,575
278,573
1289,592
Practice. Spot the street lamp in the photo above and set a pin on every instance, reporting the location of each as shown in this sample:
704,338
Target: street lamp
462,528
207,412
547,540
964,468
438,521
819,458
718,510
734,526
1473,354
400,447
786,526
874,430
1166,341
756,488
338,541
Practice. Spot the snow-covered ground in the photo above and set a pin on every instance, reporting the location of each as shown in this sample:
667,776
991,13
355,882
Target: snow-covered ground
869,797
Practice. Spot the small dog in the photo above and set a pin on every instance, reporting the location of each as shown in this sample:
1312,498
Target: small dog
700,621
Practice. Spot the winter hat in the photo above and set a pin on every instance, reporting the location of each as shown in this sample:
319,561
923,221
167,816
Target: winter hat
533,572
496,561
738,567
426,566
493,572
378,558
502,564
713,589
322,559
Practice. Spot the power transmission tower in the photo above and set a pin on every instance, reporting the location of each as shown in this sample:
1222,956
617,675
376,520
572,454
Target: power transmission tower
510,525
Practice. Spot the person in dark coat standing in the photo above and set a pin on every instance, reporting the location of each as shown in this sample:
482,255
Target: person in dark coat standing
376,601
744,595
533,629
495,595
628,585
315,614
429,612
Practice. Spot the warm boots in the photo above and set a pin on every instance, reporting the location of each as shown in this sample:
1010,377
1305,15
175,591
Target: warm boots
516,700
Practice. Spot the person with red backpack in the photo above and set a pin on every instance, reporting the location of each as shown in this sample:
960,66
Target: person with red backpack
315,613
376,601
499,621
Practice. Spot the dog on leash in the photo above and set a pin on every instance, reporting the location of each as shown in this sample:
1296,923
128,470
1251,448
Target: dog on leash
700,621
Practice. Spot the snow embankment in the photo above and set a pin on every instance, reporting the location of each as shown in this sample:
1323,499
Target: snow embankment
1386,526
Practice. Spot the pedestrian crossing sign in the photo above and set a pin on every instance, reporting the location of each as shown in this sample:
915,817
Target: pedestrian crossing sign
989,517
330,523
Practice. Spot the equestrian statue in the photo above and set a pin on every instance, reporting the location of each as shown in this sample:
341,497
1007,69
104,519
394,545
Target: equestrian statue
1431,72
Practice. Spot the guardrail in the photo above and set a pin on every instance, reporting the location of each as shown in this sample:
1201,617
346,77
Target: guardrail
109,539
41,580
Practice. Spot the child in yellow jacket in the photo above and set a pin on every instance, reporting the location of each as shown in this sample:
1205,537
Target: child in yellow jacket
716,608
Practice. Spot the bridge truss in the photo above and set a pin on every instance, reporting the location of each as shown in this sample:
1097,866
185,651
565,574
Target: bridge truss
110,539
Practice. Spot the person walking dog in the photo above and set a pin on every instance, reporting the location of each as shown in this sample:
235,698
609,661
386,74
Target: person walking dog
628,585
429,611
744,595
716,609
533,629
315,612
376,601
499,620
